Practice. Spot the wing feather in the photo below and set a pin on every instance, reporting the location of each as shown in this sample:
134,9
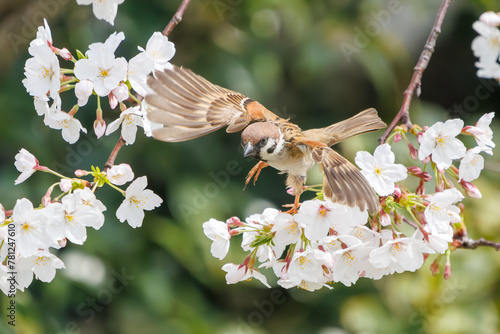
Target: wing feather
343,183
190,106
365,121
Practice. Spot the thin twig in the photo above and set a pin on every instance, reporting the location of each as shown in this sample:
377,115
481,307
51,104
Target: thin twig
168,29
467,243
403,115
114,153
177,17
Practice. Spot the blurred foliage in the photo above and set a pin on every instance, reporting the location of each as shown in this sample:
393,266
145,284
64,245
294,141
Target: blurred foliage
287,55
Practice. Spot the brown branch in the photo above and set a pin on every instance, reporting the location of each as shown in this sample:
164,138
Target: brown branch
176,18
114,153
403,115
168,29
467,243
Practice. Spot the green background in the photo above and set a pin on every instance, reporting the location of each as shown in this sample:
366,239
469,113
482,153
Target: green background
287,55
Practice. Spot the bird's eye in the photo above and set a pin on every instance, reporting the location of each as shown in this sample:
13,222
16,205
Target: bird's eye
263,141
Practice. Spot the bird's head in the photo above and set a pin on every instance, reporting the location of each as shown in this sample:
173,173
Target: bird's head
260,140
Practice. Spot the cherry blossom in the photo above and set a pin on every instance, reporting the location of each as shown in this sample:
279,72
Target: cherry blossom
83,90
440,142
441,212
101,67
380,169
483,133
239,272
42,105
471,165
42,263
348,261
26,163
286,229
120,174
129,120
400,254
65,185
42,72
103,9
490,18
87,197
218,232
138,69
160,50
70,127
306,270
148,125
486,46
70,218
31,228
137,199
317,217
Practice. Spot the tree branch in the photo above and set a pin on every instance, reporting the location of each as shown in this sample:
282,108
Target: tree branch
114,153
467,243
403,115
176,18
168,29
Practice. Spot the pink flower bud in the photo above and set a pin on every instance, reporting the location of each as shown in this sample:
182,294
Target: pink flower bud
414,170
65,185
490,18
46,200
447,271
234,222
65,54
99,128
426,159
413,151
397,192
118,94
83,90
435,267
397,137
426,177
385,219
113,101
80,172
62,242
421,188
439,186
471,189
419,137
472,130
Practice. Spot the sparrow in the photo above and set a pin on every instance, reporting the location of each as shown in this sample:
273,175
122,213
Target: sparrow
189,106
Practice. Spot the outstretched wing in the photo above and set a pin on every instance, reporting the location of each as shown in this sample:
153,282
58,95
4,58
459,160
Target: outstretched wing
190,106
343,183
365,121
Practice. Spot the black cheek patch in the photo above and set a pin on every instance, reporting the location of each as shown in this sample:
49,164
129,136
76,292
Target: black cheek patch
272,148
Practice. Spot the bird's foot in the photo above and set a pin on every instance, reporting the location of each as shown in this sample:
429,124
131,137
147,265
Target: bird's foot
255,172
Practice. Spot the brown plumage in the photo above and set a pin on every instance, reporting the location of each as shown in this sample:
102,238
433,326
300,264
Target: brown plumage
189,107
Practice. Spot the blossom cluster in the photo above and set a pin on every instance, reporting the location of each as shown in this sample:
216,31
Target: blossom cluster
98,73
27,233
327,242
487,45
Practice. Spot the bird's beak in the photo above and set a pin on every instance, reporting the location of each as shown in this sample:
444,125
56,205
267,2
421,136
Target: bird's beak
250,151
